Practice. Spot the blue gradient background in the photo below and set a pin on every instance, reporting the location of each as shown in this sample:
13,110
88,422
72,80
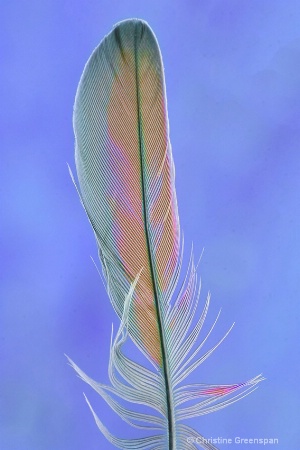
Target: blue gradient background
233,83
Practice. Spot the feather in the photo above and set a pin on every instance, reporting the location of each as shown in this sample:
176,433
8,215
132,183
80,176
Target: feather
127,187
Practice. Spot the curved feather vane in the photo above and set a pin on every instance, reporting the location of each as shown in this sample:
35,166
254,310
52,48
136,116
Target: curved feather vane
125,169
126,176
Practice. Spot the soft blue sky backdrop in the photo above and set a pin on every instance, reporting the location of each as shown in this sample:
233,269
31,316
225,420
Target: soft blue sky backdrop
233,84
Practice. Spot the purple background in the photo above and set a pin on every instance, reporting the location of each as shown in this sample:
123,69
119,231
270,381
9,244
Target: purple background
233,84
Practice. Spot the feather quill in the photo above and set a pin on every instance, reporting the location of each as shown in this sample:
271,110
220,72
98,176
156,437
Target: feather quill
127,187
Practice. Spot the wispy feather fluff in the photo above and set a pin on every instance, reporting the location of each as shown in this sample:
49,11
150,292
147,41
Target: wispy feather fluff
126,176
